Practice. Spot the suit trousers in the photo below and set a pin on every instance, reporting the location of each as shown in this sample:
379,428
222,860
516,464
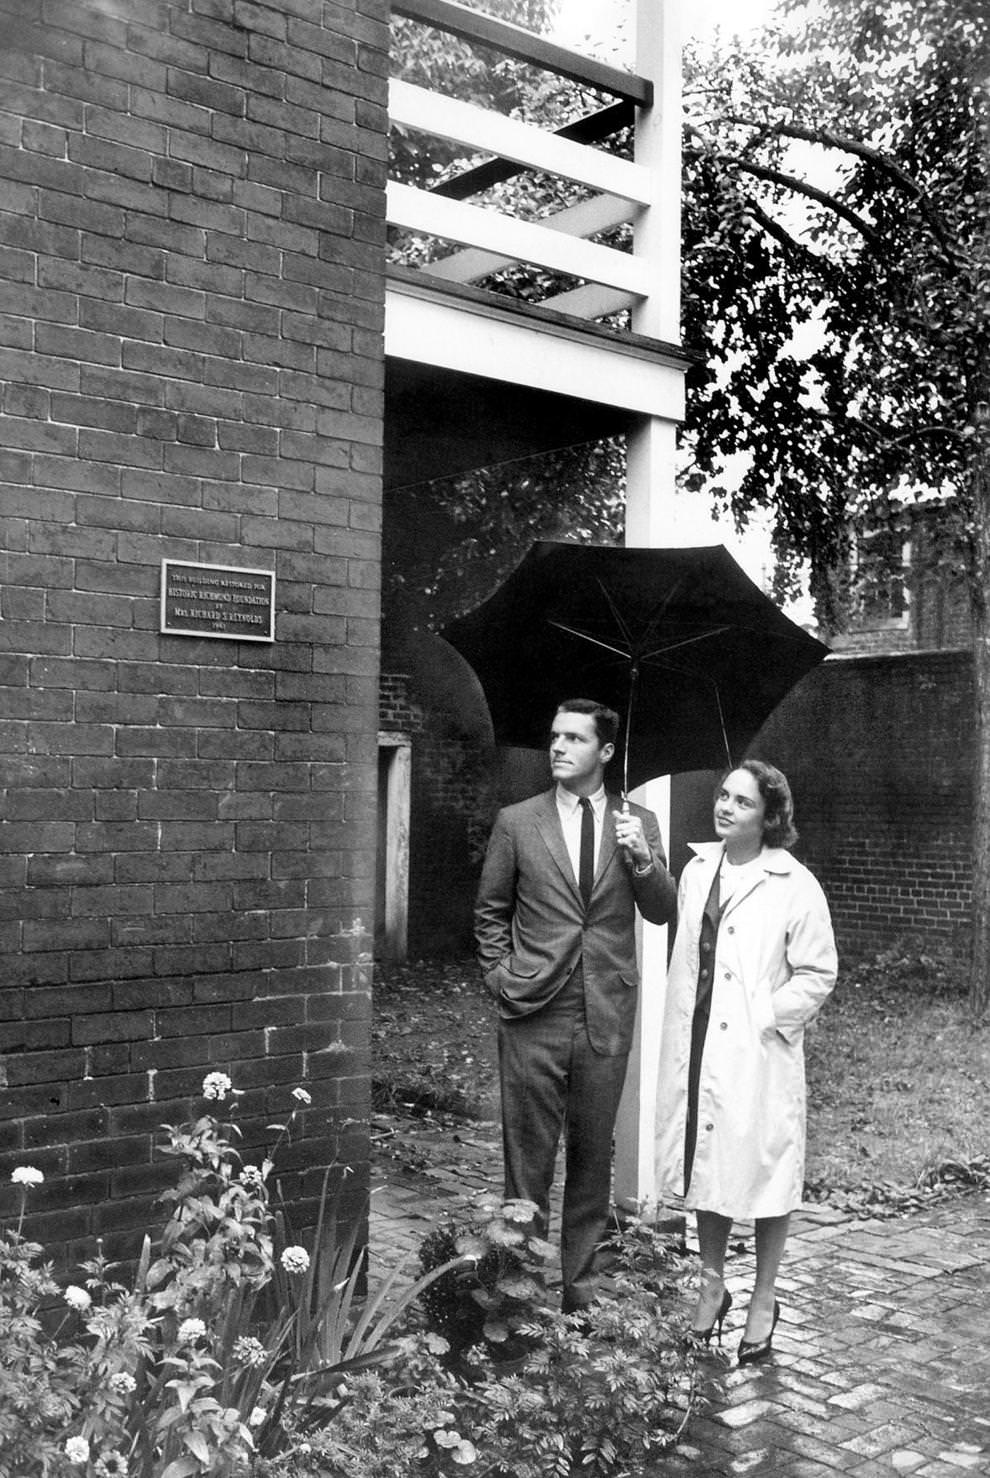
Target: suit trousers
553,1082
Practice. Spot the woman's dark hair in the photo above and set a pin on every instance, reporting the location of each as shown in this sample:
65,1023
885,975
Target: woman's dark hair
606,720
778,820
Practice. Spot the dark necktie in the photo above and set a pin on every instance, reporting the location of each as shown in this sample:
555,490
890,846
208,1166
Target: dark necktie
586,867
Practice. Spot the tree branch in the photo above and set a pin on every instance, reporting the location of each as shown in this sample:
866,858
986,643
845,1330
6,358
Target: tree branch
786,181
801,187
872,155
819,263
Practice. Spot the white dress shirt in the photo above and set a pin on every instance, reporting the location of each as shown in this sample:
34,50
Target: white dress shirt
569,810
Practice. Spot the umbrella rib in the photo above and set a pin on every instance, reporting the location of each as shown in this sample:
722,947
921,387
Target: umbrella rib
584,635
687,642
616,613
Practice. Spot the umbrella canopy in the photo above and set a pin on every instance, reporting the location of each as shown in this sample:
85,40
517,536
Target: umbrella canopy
679,641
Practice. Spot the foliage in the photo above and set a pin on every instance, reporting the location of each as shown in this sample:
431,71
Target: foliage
910,963
836,175
392,1422
229,1338
489,1303
601,1392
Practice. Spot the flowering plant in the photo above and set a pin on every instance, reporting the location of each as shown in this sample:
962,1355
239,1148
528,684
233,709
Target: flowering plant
230,1333
237,1350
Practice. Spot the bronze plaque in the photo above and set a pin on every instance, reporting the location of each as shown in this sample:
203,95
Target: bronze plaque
217,600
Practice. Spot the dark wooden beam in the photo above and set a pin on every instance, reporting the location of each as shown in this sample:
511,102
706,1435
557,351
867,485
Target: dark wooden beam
514,41
587,130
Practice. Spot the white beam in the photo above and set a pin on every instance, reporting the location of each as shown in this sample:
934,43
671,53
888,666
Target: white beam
434,215
465,337
508,138
586,218
589,301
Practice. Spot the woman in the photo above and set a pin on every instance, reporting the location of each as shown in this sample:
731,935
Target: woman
753,960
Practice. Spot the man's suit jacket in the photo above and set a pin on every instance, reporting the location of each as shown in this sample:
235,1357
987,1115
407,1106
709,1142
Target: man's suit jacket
532,927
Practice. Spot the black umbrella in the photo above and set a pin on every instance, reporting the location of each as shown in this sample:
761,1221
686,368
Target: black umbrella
680,641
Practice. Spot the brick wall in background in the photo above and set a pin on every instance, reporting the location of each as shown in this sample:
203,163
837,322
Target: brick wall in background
879,753
191,305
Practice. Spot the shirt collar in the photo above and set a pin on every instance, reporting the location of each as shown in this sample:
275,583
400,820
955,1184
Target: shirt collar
569,802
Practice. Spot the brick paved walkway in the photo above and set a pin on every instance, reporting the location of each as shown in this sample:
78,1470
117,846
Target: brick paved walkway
882,1356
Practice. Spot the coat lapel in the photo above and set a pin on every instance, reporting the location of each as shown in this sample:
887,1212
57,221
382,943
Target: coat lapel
547,822
608,848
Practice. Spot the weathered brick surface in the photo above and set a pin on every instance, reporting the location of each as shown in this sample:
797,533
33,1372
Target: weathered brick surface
191,299
878,751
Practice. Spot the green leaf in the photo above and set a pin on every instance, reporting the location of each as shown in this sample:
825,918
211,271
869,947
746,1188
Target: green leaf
181,1467
198,1446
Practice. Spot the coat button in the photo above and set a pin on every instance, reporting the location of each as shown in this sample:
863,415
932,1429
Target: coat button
709,1127
727,975
706,948
731,929
724,1026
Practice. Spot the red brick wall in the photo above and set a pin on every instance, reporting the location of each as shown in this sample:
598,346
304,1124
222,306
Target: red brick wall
879,753
191,304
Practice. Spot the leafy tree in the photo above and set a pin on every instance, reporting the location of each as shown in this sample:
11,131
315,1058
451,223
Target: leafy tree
837,175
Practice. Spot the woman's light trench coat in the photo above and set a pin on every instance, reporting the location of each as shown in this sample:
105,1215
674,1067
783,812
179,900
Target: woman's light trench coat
774,965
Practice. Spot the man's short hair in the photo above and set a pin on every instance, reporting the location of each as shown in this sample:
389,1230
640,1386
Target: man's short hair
606,720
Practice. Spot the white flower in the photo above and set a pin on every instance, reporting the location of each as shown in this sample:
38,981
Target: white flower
122,1383
27,1175
436,1344
295,1260
216,1085
304,1448
111,1465
77,1298
301,1096
257,1416
465,1453
191,1329
249,1351
251,1175
77,1450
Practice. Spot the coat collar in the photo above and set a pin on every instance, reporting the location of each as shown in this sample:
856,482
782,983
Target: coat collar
773,860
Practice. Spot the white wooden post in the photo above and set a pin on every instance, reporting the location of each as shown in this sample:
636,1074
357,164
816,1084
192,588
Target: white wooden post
649,499
395,796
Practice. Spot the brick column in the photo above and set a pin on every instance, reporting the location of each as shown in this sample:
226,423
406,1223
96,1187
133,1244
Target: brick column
191,305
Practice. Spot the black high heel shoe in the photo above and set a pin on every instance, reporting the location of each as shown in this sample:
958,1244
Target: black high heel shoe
703,1336
750,1351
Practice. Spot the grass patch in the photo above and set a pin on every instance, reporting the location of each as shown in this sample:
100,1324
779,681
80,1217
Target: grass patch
898,1073
898,1076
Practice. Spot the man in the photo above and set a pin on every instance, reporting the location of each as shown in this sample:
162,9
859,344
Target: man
555,923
